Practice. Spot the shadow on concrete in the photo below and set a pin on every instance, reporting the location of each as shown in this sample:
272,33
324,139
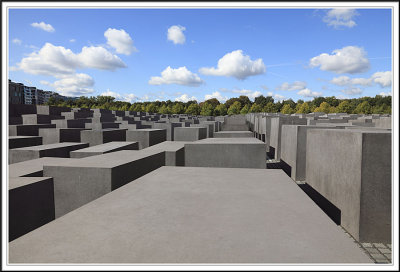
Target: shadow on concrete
331,210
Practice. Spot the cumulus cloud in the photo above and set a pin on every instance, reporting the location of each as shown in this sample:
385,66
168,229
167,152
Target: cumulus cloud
72,40
43,26
17,41
235,64
352,91
117,96
277,97
383,78
120,40
308,93
249,93
347,81
185,98
58,61
385,94
216,95
175,34
73,85
297,85
349,59
340,17
180,76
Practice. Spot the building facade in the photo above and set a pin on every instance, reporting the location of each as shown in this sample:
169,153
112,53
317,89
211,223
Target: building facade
15,92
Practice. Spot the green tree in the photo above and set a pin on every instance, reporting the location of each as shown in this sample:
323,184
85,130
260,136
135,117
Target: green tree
178,108
270,107
245,109
323,107
193,109
255,108
291,103
363,108
304,108
164,109
343,107
152,108
220,110
261,100
207,109
230,102
287,109
244,100
213,101
234,108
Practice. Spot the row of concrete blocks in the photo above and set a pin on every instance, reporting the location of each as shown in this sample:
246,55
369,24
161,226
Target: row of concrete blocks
83,179
349,166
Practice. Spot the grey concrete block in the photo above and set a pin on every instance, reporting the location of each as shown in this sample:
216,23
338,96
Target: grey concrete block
51,110
146,137
104,125
96,137
181,215
33,168
71,123
210,128
23,141
27,130
170,127
80,181
76,115
34,119
352,169
174,152
30,204
190,133
60,135
104,148
233,134
60,150
226,152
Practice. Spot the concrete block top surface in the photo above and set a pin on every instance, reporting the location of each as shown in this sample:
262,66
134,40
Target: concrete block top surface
111,160
104,147
145,130
359,131
167,146
20,169
246,140
16,182
23,137
181,215
48,146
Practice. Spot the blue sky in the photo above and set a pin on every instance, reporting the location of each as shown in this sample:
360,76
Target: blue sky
182,54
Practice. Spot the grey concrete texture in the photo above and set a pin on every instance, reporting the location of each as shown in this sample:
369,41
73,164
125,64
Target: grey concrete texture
174,152
27,130
77,115
51,110
276,129
353,172
233,134
146,137
30,204
60,150
190,133
294,147
80,181
210,128
102,136
60,135
16,110
170,127
235,122
383,122
103,125
34,119
226,152
33,168
71,123
103,149
239,216
23,141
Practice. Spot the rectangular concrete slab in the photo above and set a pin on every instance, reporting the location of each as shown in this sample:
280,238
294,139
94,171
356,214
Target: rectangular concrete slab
190,133
194,215
60,150
33,168
80,181
96,137
174,152
23,141
233,134
104,148
226,152
352,169
146,137
59,135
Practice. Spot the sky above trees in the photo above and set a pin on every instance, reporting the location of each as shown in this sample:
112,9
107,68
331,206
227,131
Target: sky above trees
197,54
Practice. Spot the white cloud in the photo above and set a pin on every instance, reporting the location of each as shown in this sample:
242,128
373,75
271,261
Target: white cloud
340,17
131,98
185,98
346,81
352,91
58,61
349,59
120,40
43,26
117,96
180,76
277,97
175,34
72,40
216,95
383,78
237,65
249,93
297,85
308,93
73,85
386,94
17,41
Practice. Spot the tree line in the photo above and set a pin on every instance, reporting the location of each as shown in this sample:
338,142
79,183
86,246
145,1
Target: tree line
237,105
